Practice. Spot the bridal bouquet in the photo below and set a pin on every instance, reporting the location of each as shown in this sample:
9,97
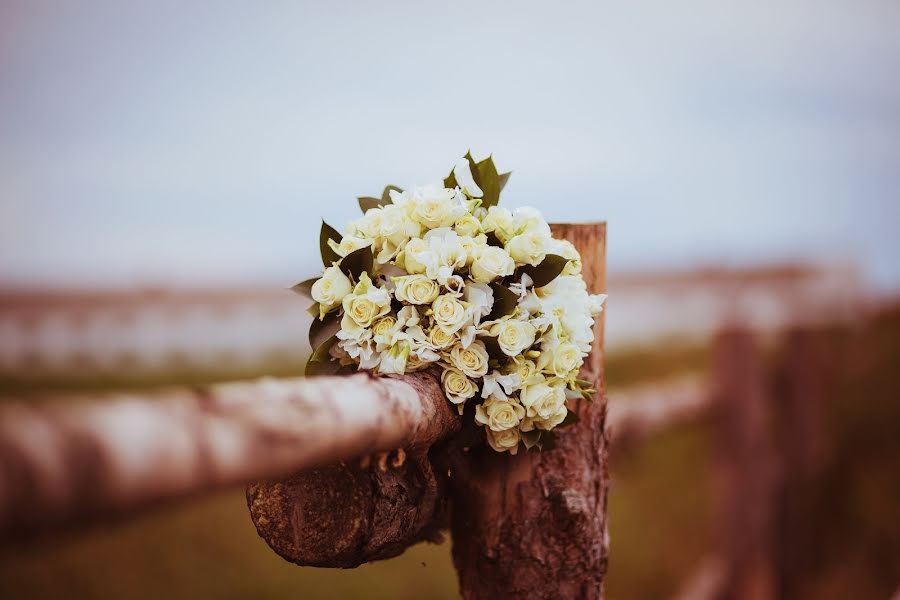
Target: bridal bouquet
441,276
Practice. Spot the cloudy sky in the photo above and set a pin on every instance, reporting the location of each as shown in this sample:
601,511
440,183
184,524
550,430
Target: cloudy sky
190,145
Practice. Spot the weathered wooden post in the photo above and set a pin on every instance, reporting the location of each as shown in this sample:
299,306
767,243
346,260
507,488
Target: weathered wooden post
531,525
534,525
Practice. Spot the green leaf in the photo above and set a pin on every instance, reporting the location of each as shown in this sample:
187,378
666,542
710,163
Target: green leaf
571,419
386,194
492,345
321,363
313,310
328,232
504,177
367,202
358,262
320,331
548,441
487,178
531,438
544,273
505,301
304,288
493,240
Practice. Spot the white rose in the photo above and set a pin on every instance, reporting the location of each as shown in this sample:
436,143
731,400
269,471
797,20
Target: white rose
449,313
416,289
528,248
543,401
409,263
504,441
566,360
383,331
457,386
499,221
525,369
527,219
364,305
473,361
436,206
514,336
467,225
441,339
498,414
330,289
492,262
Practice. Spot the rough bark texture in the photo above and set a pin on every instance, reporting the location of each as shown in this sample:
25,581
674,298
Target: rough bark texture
534,525
65,464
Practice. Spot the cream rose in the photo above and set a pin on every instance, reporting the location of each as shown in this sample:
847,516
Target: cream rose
566,360
473,361
500,221
439,338
364,305
543,401
514,336
409,263
504,441
528,248
449,313
467,225
499,415
330,289
457,386
416,289
490,263
436,207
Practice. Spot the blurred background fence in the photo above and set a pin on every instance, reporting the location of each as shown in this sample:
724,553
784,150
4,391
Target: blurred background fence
755,448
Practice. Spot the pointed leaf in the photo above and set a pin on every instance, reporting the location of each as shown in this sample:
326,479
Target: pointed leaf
321,363
313,310
367,202
487,178
505,301
571,419
328,232
320,331
547,271
358,262
504,177
548,441
304,288
493,240
531,438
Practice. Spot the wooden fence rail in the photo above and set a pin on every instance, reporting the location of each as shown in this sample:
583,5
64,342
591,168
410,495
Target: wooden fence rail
531,525
67,463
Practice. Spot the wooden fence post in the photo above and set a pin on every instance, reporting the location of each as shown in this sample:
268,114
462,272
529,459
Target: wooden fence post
802,381
746,467
534,525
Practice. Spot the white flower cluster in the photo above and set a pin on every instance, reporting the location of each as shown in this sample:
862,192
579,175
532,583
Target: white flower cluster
454,284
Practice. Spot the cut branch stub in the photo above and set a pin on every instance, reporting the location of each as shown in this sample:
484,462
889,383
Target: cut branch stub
372,508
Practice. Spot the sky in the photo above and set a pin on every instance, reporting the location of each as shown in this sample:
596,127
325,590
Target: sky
166,144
